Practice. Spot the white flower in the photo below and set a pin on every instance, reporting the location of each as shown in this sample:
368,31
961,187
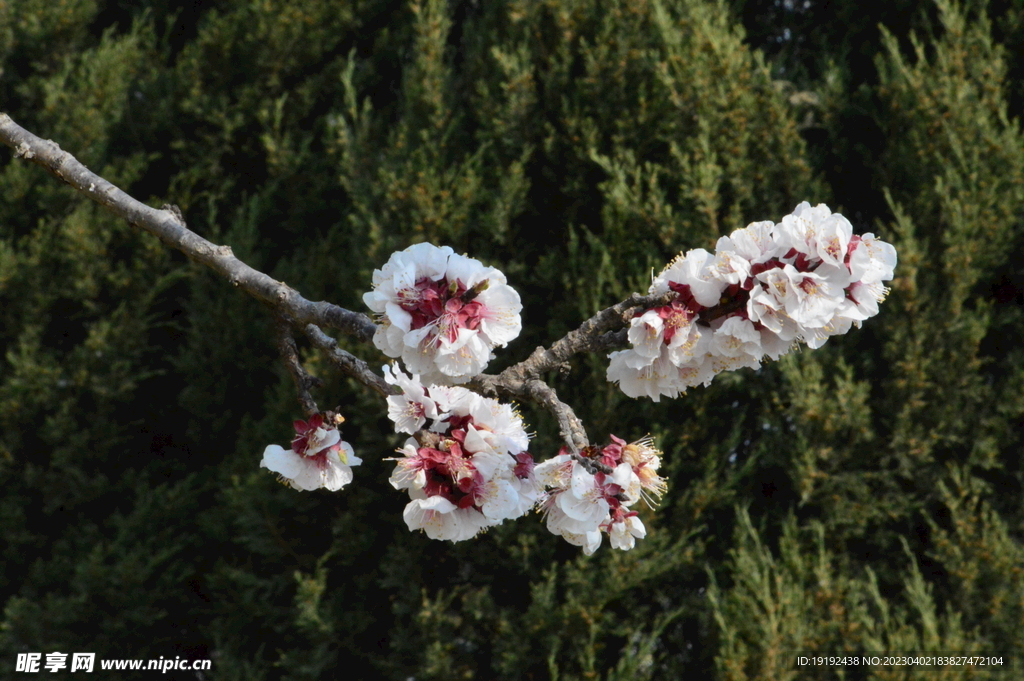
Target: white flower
694,269
330,469
477,467
767,286
410,471
737,338
862,299
646,334
575,532
698,371
644,459
529,491
555,472
719,363
774,344
452,399
810,299
412,408
582,504
441,519
623,533
871,260
585,500
497,424
442,313
318,458
767,305
736,253
817,232
685,349
754,242
651,379
499,498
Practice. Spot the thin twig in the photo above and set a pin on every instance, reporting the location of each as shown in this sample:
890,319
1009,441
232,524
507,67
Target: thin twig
290,356
591,336
523,380
349,363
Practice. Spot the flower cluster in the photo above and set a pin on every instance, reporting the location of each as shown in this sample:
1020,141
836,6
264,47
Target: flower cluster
470,469
318,457
591,498
766,288
442,313
466,467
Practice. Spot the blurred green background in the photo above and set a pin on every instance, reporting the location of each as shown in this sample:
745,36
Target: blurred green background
861,498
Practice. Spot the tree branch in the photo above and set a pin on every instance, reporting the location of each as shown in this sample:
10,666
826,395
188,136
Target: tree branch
600,333
591,336
349,363
522,380
290,356
535,390
166,224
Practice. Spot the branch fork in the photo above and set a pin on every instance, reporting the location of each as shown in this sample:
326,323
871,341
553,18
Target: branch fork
601,333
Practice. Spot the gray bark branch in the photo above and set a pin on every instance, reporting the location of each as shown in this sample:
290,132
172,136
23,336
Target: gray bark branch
349,363
167,225
524,380
290,356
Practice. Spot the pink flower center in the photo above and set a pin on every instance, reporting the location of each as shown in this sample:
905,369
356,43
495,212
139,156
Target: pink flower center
449,305
851,247
809,286
608,491
320,459
832,247
524,466
449,471
801,261
619,515
676,317
309,434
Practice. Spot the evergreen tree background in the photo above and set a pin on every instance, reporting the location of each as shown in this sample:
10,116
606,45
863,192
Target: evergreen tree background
864,497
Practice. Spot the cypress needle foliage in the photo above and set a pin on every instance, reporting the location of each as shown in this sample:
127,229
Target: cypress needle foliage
857,499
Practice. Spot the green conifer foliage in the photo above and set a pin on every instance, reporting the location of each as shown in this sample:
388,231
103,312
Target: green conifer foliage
860,498
902,453
85,558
